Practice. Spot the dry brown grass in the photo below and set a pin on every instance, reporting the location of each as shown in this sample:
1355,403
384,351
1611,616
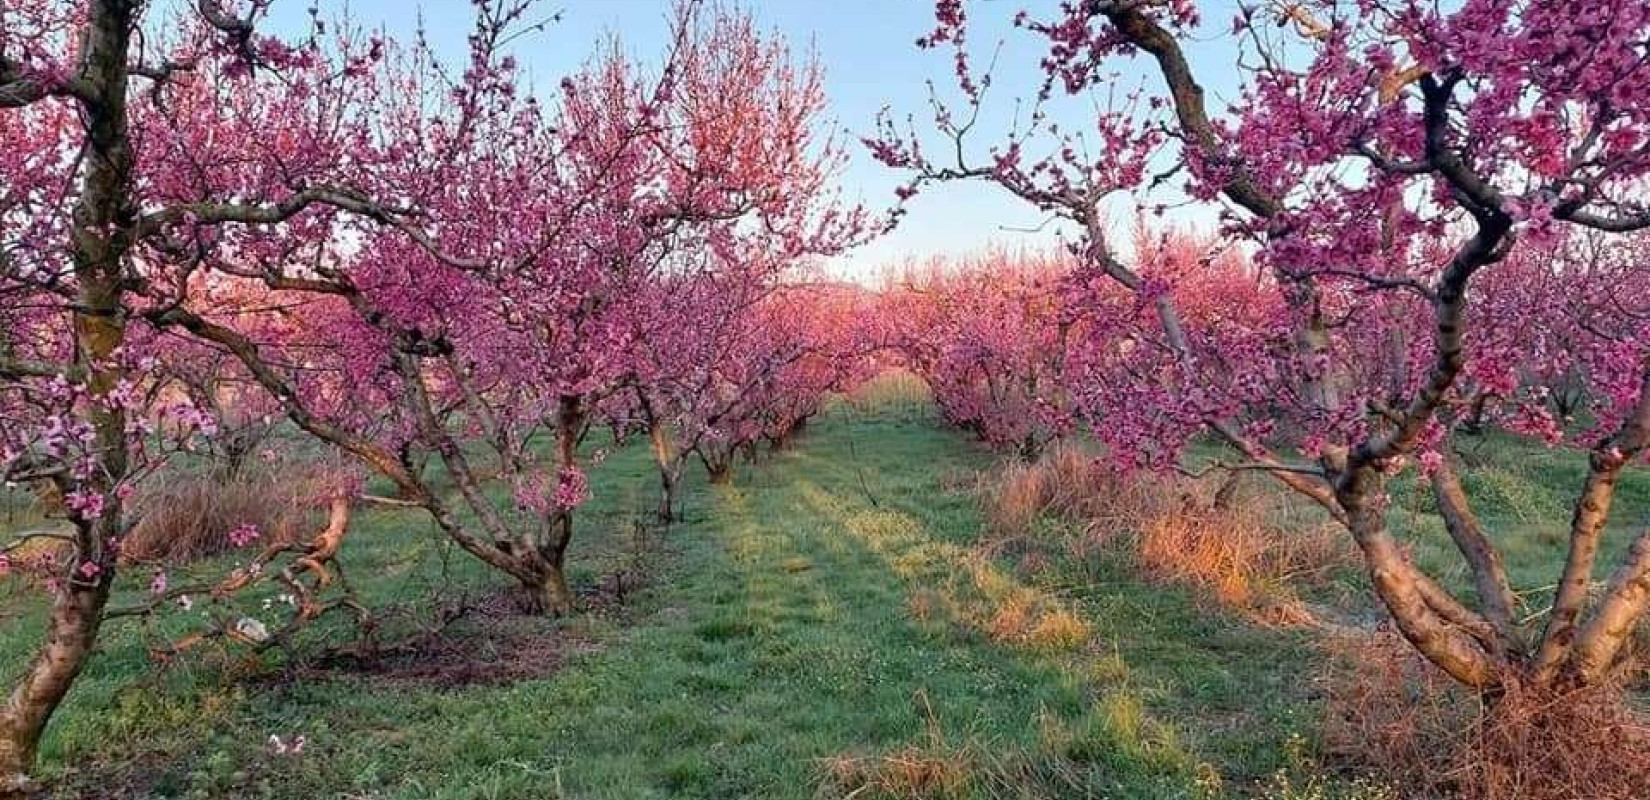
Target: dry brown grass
931,770
984,600
1058,629
1394,717
1012,617
1030,619
1247,555
923,604
184,517
1236,556
1014,613
1064,482
913,772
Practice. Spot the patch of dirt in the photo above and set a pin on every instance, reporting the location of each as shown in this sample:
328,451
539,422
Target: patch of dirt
612,596
501,655
121,779
492,644
486,640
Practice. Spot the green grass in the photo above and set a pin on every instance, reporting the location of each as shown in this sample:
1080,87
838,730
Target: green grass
826,622
1523,492
775,647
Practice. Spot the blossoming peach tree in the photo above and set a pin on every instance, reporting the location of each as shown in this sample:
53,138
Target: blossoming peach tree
405,259
130,160
989,336
1438,197
561,234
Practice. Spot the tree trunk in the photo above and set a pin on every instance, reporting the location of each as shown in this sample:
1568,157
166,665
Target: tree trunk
668,482
77,612
1475,422
664,455
1324,389
416,460
1405,591
551,595
98,251
718,464
548,593
1624,604
1489,575
1592,511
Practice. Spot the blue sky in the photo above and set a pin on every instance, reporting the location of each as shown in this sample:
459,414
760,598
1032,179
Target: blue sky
867,49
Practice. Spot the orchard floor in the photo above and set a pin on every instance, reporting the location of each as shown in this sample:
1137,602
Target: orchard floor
825,627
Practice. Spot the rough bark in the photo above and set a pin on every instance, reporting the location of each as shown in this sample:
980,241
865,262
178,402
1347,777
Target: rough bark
76,615
98,249
552,595
1592,511
1405,591
1489,575
548,593
670,468
720,474
1625,600
667,496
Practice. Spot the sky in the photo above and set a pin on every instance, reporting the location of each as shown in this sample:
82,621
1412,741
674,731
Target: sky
871,62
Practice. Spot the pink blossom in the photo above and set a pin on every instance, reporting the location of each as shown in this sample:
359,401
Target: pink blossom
244,534
87,504
1431,461
572,488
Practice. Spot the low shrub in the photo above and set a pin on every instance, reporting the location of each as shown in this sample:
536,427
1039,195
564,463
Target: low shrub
192,514
1240,552
1391,716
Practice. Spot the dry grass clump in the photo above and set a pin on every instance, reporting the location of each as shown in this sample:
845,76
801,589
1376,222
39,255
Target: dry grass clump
1065,482
931,770
1072,757
894,388
1243,553
1010,612
1237,557
1027,618
1012,617
923,604
1392,716
189,515
983,600
1058,629
913,772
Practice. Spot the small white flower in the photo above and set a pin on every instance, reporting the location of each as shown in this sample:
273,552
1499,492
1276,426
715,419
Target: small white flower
284,747
252,630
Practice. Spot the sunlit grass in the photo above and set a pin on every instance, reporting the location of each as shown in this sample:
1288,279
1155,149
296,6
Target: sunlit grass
833,607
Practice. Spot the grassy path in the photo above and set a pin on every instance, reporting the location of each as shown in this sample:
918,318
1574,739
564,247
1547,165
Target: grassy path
822,627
